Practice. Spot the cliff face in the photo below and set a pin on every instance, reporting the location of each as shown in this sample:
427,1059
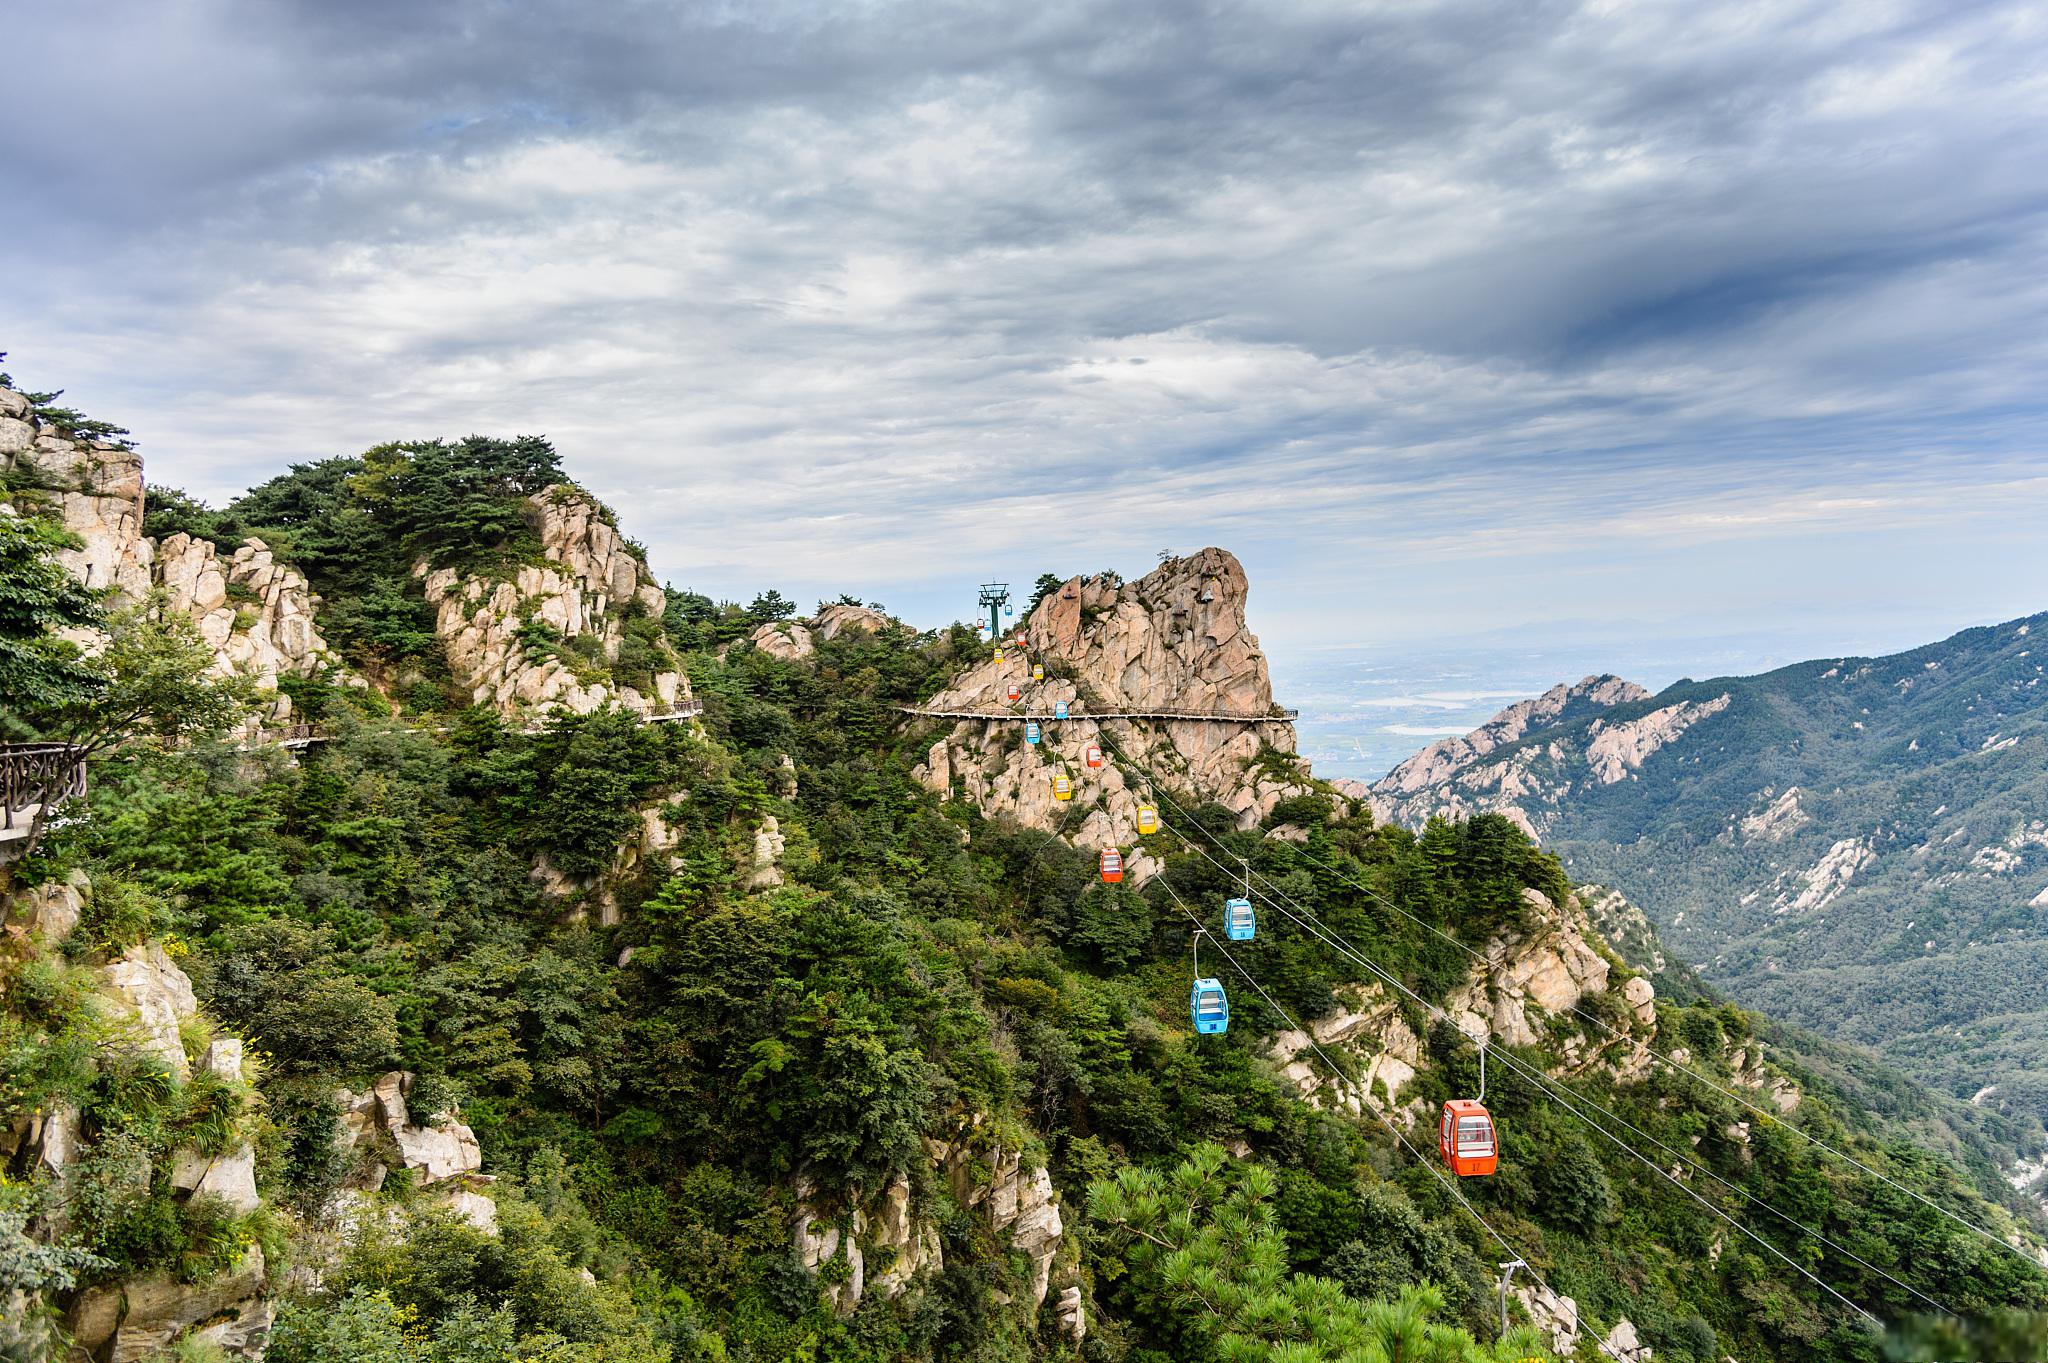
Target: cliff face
893,1242
1174,640
95,488
149,1012
255,613
552,636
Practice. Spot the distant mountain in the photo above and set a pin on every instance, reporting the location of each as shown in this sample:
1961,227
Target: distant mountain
1857,845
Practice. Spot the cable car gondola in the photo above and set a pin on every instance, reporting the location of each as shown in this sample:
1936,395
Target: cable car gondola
999,655
1038,671
1030,731
1240,923
1062,787
1112,866
1092,754
1148,819
1013,693
1208,1007
1059,709
1465,1139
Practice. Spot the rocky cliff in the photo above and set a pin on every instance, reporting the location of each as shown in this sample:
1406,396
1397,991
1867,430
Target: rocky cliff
1175,640
553,635
892,1241
151,1015
94,488
255,613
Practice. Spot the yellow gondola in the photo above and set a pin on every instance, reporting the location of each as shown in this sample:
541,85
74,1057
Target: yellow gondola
1062,787
1148,819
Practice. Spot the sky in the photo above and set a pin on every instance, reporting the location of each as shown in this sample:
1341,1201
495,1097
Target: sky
1607,331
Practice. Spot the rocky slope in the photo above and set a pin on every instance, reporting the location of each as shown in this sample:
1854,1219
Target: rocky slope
1853,844
582,597
255,613
548,635
152,1015
1527,986
1175,640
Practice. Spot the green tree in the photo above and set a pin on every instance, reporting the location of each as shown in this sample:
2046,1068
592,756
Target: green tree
43,675
1205,1239
159,682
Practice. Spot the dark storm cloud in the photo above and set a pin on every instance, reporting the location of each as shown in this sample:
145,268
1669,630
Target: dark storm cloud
1339,282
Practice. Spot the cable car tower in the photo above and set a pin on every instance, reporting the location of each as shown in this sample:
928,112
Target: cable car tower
995,599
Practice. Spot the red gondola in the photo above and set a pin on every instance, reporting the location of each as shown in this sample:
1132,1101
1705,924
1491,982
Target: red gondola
1013,692
1466,1140
1112,865
1092,755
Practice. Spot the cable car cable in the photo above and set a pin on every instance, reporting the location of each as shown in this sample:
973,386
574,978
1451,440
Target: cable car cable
1330,938
1438,1013
1335,1069
1660,1058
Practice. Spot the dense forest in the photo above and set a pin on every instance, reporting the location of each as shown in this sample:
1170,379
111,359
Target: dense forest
660,1085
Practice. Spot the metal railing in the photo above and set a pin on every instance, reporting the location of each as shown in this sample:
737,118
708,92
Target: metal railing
34,776
1276,715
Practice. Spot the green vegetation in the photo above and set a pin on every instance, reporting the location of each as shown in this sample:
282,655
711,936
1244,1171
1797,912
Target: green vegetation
665,1054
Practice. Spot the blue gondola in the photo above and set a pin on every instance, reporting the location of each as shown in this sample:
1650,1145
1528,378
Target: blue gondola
1030,731
1239,921
1059,709
1208,1007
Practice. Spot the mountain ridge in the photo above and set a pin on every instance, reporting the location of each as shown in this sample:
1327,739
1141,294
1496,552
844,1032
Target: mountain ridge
1835,830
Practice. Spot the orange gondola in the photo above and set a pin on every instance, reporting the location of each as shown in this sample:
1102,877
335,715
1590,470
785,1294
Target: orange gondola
1112,866
1466,1140
1013,693
1092,755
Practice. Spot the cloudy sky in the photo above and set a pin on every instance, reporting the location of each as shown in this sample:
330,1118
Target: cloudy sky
1582,323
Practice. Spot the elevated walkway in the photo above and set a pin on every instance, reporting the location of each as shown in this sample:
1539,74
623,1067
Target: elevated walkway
1274,716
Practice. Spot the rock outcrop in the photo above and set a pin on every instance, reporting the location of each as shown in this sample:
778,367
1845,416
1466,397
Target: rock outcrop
94,487
1175,640
548,637
152,1010
795,640
155,998
889,1243
1522,982
255,613
137,1319
378,1130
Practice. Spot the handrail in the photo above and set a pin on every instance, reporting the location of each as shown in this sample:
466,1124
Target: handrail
37,775
304,735
1274,716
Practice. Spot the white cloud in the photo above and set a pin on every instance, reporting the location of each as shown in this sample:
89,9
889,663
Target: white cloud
1658,310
